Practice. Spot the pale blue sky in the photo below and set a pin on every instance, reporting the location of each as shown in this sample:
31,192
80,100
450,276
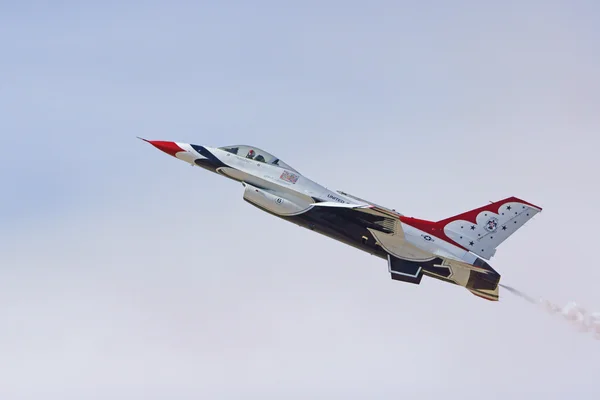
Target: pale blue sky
127,274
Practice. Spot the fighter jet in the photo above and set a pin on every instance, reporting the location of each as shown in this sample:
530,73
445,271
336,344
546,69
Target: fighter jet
452,250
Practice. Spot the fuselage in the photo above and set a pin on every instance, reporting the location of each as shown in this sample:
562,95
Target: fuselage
280,190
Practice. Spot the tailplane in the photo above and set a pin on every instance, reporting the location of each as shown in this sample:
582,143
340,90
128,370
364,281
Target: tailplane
483,229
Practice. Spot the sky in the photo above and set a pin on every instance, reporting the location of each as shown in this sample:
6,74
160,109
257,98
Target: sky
126,274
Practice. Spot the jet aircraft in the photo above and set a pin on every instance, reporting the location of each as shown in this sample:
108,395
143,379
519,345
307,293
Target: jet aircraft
453,250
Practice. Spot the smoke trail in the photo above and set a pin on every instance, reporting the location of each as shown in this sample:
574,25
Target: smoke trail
518,293
572,312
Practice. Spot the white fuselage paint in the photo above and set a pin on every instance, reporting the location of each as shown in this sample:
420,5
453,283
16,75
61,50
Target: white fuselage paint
270,177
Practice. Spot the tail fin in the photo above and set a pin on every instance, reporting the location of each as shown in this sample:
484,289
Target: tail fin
483,229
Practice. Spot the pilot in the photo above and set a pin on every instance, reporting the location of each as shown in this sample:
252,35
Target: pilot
260,158
250,154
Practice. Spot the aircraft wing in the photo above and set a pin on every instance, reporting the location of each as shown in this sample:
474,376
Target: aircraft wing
388,229
366,208
341,205
371,215
379,207
369,208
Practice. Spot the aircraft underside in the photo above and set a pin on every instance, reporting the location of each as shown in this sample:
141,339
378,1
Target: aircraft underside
346,226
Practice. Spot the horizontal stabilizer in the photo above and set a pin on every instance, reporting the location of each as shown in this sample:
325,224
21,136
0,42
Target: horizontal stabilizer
491,295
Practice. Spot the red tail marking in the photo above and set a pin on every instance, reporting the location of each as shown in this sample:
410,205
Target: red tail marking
433,228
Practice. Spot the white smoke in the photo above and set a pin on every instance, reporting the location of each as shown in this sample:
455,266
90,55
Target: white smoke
573,313
576,315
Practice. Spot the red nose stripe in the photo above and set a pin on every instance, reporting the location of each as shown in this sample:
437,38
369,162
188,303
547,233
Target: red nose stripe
168,147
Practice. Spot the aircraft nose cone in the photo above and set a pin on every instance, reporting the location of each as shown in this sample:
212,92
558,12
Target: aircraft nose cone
170,148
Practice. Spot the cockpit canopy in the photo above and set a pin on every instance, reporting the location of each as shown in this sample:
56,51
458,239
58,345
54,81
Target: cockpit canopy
256,154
